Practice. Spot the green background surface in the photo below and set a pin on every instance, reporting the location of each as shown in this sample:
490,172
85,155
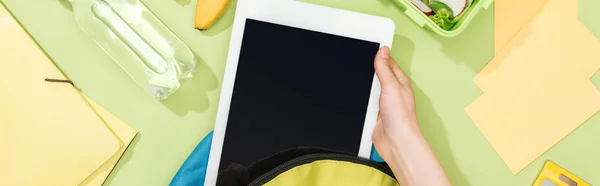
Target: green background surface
442,70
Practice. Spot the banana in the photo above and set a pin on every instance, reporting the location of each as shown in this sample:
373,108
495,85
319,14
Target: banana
208,12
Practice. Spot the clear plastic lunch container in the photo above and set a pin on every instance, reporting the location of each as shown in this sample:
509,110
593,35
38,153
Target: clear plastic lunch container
424,21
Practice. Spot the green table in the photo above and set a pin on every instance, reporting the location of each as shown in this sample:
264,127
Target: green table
442,70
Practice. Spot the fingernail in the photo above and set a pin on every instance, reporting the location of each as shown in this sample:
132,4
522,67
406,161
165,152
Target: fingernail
384,52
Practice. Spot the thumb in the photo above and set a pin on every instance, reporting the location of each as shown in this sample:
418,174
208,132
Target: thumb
383,68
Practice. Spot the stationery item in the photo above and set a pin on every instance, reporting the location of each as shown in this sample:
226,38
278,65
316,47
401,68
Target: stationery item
208,12
50,135
123,131
510,16
586,8
538,89
142,45
553,175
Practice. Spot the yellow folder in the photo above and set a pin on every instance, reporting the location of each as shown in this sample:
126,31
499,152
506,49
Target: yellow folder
50,134
538,89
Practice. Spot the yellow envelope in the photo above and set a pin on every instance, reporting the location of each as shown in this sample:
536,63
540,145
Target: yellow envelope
538,88
49,133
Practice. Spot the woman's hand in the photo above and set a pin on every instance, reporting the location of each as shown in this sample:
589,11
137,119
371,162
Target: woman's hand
397,136
397,117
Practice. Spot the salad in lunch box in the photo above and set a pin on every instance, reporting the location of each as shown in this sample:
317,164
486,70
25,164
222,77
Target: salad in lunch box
444,13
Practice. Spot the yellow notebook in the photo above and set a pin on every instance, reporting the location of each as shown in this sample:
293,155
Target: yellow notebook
49,133
538,89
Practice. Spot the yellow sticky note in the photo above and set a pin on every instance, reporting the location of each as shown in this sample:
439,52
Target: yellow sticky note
49,133
510,16
538,89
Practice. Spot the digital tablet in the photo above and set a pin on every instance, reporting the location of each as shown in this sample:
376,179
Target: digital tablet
297,75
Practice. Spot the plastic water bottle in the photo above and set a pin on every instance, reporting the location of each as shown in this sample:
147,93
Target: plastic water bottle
134,38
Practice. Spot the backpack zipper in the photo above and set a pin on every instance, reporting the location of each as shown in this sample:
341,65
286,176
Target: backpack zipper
271,174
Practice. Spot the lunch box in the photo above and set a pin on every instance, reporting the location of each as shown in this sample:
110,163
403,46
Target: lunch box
423,21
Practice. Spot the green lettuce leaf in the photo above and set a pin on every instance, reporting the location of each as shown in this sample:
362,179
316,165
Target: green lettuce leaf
444,18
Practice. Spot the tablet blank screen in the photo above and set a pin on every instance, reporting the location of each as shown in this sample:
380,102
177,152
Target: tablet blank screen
296,87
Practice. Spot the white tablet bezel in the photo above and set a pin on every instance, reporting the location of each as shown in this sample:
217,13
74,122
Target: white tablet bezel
304,16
